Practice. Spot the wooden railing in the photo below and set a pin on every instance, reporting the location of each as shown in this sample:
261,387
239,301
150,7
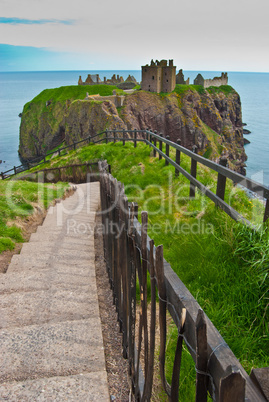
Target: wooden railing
76,173
130,255
152,138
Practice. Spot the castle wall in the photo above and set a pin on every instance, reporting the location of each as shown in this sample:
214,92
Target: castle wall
168,79
151,78
217,81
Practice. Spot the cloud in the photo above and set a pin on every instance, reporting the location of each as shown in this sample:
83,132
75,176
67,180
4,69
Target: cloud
24,21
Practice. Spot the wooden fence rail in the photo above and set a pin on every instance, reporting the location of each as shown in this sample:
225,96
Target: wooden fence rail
151,138
131,257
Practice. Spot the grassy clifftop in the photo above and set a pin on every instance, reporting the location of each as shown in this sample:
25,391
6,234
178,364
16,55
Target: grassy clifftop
210,119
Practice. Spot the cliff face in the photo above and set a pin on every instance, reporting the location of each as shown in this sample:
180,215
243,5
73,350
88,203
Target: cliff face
210,119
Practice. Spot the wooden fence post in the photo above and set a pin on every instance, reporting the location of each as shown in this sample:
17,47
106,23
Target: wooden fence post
177,157
106,136
132,296
154,143
201,358
123,137
221,184
114,134
266,211
162,315
135,137
15,170
2,175
167,150
148,384
232,387
193,172
144,255
89,139
160,147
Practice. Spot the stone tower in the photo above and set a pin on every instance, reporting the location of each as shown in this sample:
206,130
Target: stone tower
159,77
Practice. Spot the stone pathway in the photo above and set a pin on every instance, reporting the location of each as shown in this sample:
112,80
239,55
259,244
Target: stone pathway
51,343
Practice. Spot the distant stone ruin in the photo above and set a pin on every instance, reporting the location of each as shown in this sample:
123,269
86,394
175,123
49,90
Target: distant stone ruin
180,78
214,82
159,77
94,79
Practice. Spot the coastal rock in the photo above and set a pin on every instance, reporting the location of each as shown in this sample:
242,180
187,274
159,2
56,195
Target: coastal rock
209,119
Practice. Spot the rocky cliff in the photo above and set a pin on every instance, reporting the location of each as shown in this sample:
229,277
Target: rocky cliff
210,118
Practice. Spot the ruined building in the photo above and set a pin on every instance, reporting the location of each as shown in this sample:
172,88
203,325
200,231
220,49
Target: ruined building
215,82
159,77
94,79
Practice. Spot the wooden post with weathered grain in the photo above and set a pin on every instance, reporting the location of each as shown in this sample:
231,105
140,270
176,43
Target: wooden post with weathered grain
193,172
167,151
160,147
221,184
177,157
201,358
232,387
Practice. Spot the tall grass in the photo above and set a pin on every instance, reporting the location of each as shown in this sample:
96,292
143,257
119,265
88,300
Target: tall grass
18,200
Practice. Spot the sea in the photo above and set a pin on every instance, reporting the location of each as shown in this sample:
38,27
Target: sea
18,88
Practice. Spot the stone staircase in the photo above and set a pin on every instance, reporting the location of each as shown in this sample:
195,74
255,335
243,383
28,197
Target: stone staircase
51,344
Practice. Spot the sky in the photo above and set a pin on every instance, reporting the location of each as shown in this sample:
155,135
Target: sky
208,35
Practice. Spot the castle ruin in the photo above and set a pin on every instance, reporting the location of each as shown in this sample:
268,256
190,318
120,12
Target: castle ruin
159,77
94,79
214,82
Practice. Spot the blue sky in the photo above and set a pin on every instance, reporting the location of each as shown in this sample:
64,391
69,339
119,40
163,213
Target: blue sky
83,35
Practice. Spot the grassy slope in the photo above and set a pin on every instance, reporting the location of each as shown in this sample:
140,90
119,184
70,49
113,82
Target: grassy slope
17,200
225,267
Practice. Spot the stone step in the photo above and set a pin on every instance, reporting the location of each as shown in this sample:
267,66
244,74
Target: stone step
61,277
90,387
59,248
49,350
20,309
72,238
50,261
59,218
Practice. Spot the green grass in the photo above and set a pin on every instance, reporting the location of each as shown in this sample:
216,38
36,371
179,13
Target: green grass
223,263
18,200
226,89
72,92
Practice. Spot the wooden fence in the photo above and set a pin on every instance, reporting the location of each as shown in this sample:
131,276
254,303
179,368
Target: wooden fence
153,139
76,173
130,255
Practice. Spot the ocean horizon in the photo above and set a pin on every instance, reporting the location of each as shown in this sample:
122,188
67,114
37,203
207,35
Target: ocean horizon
18,88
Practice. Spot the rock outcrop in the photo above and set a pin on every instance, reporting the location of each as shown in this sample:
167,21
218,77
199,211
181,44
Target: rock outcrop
210,119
